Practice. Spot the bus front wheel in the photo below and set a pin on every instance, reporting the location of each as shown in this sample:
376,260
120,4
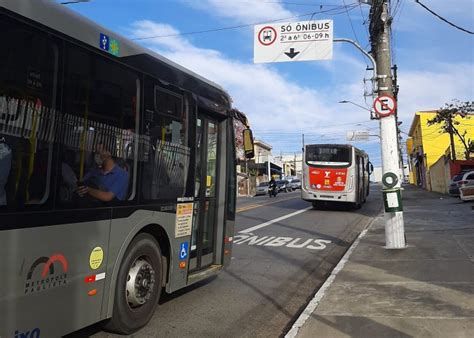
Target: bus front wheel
138,286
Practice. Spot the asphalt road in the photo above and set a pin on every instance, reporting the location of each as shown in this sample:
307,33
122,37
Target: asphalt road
276,269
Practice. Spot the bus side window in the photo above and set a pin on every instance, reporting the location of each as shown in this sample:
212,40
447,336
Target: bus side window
27,115
166,166
100,115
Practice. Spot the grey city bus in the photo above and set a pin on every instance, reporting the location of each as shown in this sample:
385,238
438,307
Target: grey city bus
72,91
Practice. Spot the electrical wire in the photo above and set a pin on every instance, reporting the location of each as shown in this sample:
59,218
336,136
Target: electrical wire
295,3
336,10
443,19
364,21
350,21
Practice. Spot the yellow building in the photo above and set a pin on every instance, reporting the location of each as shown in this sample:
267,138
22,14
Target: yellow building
427,144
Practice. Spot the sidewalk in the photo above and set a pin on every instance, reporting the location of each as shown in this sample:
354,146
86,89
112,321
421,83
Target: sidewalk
425,290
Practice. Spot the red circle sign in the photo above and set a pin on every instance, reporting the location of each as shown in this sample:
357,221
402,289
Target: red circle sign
267,35
385,105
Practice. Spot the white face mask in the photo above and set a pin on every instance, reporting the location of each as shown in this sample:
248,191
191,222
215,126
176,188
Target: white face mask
97,159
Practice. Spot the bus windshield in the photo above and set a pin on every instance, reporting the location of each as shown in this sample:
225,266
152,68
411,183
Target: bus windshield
328,155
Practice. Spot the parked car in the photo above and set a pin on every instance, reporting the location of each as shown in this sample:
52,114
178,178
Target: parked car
467,193
466,186
295,183
262,189
453,189
283,185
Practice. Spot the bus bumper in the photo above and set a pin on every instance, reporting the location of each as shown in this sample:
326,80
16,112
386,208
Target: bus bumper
343,196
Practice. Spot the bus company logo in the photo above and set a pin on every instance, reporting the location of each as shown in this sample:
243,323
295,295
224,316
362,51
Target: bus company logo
35,333
327,173
339,182
44,274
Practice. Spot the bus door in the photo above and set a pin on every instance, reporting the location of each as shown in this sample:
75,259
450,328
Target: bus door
204,226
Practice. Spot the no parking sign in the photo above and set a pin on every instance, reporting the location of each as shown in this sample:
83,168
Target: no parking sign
385,105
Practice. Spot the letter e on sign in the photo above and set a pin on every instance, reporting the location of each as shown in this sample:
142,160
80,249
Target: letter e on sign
385,105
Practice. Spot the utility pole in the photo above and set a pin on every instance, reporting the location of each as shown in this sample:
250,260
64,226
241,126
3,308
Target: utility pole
294,164
269,168
399,136
451,137
248,176
380,22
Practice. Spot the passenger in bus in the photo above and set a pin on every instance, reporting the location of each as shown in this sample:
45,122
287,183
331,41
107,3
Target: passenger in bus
36,181
106,182
5,165
68,182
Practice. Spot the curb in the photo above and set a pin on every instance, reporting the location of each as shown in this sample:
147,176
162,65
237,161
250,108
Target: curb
313,304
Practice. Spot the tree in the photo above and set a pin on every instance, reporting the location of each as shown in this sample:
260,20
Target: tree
446,115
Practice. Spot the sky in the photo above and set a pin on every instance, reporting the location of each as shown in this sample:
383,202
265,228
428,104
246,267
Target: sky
285,100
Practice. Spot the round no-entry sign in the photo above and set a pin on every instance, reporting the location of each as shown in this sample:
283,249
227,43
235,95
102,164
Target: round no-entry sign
385,105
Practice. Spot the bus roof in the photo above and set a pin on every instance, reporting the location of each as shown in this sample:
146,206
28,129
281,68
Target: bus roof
72,24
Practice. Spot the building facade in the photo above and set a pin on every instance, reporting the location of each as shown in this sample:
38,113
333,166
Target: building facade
426,145
292,165
257,170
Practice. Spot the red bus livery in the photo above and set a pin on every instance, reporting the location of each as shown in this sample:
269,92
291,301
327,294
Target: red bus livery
328,179
335,172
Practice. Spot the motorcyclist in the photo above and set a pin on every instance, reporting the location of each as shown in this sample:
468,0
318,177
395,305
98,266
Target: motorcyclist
272,187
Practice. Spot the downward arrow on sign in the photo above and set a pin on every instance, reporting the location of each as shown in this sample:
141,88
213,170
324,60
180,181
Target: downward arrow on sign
292,53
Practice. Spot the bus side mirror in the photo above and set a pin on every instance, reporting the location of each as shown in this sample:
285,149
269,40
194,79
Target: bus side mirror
248,143
370,168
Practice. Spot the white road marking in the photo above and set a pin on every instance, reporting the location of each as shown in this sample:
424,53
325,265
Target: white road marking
263,225
289,242
313,304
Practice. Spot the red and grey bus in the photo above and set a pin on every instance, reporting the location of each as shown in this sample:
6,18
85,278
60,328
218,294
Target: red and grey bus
335,173
72,92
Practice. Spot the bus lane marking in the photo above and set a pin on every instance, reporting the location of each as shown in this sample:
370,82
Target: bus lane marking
289,242
247,237
263,225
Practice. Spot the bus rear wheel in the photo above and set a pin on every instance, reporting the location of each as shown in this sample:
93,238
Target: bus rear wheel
138,286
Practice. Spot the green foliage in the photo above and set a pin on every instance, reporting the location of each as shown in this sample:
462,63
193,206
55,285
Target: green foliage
446,116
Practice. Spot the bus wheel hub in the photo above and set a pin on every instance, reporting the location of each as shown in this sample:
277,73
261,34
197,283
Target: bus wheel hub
140,282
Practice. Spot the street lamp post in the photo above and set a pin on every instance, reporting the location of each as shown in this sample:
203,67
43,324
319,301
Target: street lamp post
372,112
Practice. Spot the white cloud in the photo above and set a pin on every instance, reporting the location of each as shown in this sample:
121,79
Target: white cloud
271,100
412,18
243,11
278,103
427,90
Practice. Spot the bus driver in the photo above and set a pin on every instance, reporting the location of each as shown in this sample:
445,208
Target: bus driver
107,181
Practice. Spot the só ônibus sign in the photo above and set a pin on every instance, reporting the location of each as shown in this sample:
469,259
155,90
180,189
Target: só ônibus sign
293,41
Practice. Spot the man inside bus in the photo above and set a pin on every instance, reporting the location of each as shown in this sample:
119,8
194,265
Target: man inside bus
5,165
106,182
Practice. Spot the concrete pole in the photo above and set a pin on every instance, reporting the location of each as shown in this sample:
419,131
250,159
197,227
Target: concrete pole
394,225
269,169
248,176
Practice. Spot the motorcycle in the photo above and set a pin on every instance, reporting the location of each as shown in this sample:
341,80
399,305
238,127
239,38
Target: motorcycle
272,190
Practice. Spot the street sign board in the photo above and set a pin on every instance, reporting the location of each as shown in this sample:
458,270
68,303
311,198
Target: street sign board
385,105
293,41
358,135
